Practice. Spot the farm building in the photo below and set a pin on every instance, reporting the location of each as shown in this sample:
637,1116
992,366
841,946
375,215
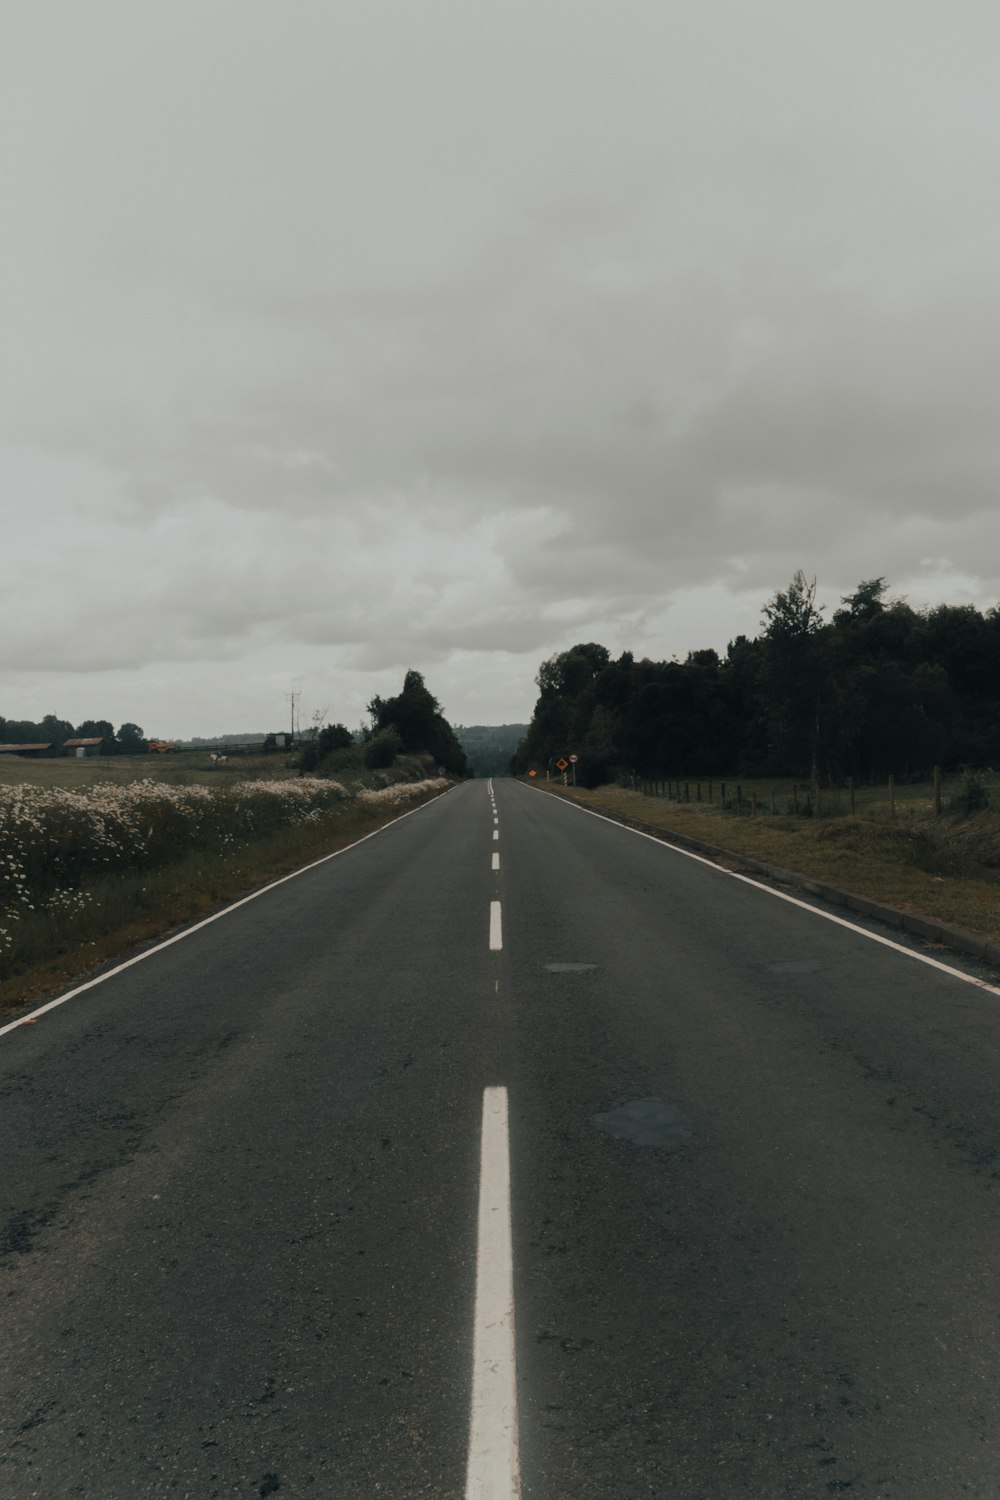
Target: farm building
80,748
34,752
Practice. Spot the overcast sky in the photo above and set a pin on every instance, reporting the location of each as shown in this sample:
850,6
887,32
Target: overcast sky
341,338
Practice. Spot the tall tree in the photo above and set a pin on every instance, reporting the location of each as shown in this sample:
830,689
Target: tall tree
416,716
795,676
55,730
130,740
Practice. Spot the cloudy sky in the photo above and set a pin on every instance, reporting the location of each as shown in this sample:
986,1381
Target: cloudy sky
338,338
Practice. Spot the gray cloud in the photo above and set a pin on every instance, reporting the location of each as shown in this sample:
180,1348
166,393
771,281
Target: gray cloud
340,338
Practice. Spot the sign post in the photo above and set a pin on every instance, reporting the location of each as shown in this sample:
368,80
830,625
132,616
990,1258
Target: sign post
573,760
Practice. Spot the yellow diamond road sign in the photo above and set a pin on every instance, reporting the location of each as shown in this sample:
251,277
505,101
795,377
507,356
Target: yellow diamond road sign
562,764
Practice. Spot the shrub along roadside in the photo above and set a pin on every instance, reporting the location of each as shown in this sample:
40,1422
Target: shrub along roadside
109,915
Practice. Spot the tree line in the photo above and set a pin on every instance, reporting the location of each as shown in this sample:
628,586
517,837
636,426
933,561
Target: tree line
880,688
128,739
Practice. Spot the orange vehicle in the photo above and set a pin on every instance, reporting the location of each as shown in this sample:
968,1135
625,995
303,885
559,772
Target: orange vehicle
164,747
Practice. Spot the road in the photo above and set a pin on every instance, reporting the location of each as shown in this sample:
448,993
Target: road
754,1191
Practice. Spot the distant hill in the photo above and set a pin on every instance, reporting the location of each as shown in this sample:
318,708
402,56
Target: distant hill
489,747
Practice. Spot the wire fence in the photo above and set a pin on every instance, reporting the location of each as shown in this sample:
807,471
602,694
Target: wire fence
965,791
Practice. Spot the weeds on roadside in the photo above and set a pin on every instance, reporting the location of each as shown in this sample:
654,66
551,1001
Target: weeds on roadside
79,866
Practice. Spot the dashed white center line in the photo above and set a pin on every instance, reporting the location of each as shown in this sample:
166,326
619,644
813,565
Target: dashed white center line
496,861
495,834
496,927
493,1470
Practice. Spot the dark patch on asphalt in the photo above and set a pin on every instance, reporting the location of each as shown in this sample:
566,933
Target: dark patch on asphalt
647,1122
568,1346
19,1234
39,1417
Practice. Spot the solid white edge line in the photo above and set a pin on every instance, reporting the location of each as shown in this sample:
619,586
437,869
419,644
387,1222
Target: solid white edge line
827,916
493,1468
496,927
207,921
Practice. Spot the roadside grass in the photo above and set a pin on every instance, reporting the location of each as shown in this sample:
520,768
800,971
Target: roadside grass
77,925
945,868
789,794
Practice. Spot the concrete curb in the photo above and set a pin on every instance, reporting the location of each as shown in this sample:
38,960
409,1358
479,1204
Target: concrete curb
927,928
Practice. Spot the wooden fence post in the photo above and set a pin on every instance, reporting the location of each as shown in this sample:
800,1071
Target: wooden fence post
795,798
753,804
772,802
697,787
937,791
722,795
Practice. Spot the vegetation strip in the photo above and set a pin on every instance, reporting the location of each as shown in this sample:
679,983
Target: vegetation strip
51,941
930,929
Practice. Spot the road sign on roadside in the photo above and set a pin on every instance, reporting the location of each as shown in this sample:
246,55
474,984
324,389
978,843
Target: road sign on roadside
573,759
561,764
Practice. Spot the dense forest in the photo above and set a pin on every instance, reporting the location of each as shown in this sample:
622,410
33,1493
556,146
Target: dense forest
879,688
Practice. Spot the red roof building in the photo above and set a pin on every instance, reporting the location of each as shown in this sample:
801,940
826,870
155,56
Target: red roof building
83,747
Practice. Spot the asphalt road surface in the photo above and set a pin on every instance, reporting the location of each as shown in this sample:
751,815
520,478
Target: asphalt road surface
255,1240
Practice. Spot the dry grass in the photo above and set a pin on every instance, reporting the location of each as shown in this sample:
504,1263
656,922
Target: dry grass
945,868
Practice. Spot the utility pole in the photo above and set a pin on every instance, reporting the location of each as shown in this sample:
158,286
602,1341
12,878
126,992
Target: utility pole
293,699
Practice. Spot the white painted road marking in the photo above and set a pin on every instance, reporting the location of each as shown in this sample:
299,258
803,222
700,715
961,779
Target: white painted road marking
495,834
493,1470
496,861
828,916
496,929
179,937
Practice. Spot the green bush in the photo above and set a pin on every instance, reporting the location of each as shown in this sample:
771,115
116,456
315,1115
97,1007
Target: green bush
308,758
382,749
973,795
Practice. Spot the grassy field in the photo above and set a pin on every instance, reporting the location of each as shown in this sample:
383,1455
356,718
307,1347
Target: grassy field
183,769
91,865
945,868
